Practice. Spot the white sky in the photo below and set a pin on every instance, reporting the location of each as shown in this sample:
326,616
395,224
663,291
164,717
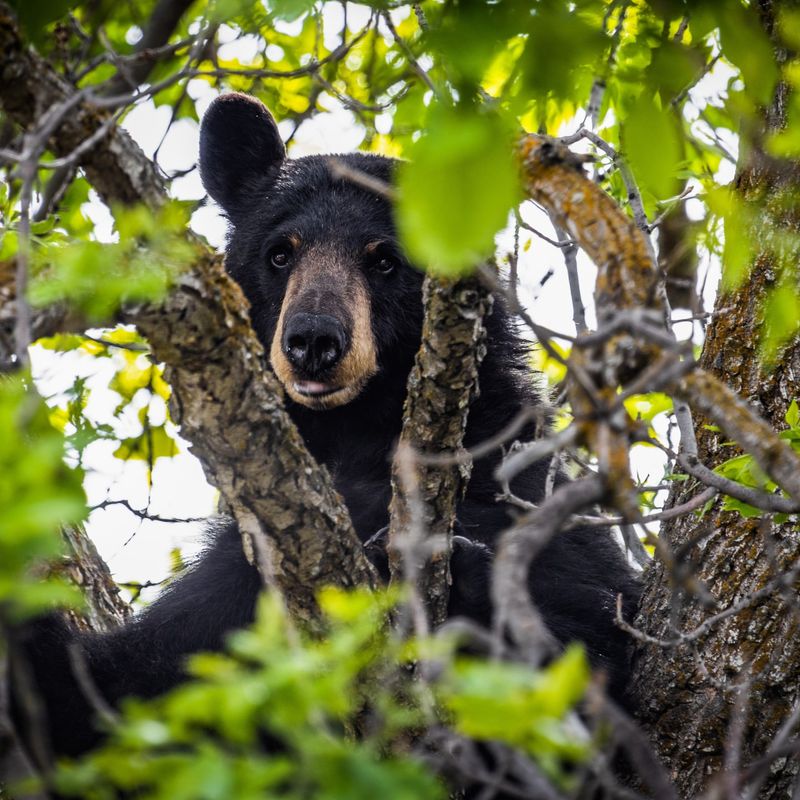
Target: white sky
139,550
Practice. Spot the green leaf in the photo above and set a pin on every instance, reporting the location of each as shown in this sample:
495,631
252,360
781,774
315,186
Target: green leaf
154,443
35,16
745,43
38,493
652,147
793,415
789,26
510,703
563,53
290,10
781,318
457,191
738,252
96,277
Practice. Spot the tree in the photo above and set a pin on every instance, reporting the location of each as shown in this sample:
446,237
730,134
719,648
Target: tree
656,97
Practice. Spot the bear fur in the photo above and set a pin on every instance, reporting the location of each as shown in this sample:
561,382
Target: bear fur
318,258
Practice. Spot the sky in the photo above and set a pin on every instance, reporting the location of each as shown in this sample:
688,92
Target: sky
138,550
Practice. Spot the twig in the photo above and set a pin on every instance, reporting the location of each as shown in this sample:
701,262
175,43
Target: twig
515,612
144,513
369,182
403,45
570,251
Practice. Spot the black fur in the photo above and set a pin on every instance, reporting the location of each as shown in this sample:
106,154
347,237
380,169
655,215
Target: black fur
574,582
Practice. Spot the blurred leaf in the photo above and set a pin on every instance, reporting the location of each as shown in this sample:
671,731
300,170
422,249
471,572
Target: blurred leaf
563,53
738,247
653,148
35,15
793,415
38,494
745,43
457,191
290,10
154,443
781,318
505,702
96,277
648,406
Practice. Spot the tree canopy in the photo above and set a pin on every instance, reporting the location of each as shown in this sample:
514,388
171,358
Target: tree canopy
658,140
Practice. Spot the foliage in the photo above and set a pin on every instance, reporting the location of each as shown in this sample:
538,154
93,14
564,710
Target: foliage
667,84
743,469
139,424
38,493
285,715
97,278
468,75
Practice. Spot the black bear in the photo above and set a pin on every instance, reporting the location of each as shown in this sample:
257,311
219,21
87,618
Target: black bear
338,307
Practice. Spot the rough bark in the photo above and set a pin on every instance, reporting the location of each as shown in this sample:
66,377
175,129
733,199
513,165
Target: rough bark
627,283
441,386
83,567
745,672
229,406
554,177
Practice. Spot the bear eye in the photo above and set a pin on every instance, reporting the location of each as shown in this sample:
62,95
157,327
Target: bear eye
383,263
280,256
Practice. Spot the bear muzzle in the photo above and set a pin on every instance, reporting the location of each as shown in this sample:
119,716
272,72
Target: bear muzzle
322,358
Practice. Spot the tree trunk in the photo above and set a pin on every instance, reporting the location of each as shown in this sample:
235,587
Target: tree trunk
716,704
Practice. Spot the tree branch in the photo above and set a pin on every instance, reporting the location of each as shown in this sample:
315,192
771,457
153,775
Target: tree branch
442,383
30,88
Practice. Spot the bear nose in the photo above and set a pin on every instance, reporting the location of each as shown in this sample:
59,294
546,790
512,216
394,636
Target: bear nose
313,342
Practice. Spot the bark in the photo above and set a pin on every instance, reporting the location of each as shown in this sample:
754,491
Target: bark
554,177
717,704
627,283
83,567
441,386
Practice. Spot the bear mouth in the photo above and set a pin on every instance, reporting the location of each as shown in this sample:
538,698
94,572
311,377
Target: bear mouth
322,396
315,389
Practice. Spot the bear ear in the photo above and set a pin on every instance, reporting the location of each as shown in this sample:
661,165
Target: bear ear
239,146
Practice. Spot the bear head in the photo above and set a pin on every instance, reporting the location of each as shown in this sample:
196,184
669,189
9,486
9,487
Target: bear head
333,299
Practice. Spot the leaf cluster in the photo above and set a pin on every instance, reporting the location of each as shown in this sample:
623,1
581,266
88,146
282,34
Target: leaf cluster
282,714
38,494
